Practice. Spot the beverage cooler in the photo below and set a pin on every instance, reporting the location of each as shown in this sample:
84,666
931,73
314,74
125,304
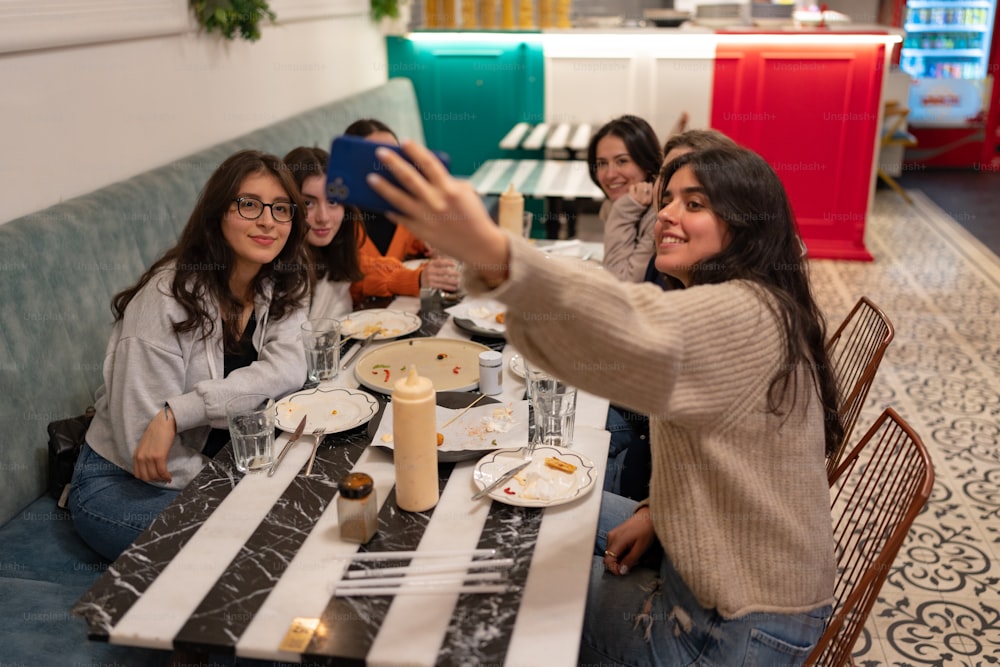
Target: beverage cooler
950,55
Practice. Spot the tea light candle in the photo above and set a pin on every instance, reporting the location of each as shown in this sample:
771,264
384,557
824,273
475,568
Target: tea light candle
511,215
414,437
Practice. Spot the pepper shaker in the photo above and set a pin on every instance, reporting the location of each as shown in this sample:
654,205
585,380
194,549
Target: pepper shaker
357,509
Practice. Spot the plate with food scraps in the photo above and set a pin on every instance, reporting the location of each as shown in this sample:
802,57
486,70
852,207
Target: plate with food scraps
451,364
483,317
556,476
382,322
487,426
335,409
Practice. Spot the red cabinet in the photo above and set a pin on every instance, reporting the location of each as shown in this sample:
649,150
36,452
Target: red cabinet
812,109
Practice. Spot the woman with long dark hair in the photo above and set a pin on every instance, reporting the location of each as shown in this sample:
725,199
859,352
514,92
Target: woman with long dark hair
730,560
624,157
331,244
217,316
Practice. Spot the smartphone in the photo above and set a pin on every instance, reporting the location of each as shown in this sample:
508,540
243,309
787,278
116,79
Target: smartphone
351,160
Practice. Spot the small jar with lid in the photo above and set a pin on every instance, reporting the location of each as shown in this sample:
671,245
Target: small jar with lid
490,373
357,509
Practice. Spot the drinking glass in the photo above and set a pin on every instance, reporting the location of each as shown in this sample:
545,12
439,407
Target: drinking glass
251,427
555,413
321,340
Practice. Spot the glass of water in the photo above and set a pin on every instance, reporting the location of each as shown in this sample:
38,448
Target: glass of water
251,427
554,404
321,340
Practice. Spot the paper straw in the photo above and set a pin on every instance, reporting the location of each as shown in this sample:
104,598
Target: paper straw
420,581
400,555
429,590
411,570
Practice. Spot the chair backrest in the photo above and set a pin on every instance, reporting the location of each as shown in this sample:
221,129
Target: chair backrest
877,492
855,350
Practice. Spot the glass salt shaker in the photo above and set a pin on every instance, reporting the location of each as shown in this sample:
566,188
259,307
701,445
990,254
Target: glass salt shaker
357,509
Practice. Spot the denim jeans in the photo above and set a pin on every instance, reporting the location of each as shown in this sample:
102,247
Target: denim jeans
650,617
110,506
629,459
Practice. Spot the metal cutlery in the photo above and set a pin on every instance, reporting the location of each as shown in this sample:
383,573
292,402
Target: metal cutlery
501,479
318,433
356,350
288,445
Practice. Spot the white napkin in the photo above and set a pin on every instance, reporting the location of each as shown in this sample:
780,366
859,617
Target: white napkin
482,428
482,312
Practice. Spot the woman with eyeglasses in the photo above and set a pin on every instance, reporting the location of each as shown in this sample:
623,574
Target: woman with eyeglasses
331,244
217,316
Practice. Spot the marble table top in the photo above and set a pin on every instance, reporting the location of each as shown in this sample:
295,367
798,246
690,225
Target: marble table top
236,559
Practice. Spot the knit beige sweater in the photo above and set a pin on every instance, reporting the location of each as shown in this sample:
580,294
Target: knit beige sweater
738,497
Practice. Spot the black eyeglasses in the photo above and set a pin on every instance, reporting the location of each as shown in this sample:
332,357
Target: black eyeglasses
251,208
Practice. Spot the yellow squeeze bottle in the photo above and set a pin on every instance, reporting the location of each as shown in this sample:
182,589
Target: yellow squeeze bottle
511,215
414,437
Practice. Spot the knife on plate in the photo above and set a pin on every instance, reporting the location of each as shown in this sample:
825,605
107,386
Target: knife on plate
284,450
356,350
501,479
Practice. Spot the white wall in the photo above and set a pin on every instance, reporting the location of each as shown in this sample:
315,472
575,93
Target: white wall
77,118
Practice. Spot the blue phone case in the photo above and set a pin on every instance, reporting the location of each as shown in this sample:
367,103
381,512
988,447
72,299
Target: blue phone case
351,160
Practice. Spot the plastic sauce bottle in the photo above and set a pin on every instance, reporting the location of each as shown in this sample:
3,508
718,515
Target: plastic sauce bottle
357,509
511,215
414,436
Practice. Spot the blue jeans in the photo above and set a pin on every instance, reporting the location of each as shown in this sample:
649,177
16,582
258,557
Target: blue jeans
650,617
110,506
629,459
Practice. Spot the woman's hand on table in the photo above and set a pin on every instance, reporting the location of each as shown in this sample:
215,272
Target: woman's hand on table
442,211
150,459
628,541
442,273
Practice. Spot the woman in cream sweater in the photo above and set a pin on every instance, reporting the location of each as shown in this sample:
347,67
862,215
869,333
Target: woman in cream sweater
730,561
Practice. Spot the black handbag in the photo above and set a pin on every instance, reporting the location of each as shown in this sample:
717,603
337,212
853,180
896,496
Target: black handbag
66,436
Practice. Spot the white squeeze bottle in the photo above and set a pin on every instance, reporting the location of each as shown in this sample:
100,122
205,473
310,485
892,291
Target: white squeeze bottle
512,211
414,437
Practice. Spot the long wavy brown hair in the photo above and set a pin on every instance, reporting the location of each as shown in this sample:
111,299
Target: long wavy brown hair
764,249
337,261
202,259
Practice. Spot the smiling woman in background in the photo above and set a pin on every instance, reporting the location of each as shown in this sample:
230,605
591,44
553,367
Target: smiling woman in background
730,561
331,244
624,157
217,316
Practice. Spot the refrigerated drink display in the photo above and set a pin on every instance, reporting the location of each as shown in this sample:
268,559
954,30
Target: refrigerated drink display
946,52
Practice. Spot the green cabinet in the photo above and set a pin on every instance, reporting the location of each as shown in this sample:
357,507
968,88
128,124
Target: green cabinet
472,88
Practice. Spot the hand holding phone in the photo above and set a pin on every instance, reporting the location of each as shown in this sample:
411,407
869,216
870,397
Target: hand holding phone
351,160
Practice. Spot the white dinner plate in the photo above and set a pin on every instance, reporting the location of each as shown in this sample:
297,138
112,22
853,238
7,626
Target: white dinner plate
388,323
483,317
486,427
451,364
336,409
538,485
516,365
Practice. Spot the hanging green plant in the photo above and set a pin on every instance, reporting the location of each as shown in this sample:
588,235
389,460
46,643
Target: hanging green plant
384,8
229,16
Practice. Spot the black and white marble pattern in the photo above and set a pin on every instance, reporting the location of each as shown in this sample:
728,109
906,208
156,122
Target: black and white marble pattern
941,603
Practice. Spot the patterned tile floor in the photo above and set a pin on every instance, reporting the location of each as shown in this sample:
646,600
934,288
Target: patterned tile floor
941,288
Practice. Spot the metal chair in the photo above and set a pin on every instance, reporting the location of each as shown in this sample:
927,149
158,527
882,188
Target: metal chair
877,492
894,133
855,350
